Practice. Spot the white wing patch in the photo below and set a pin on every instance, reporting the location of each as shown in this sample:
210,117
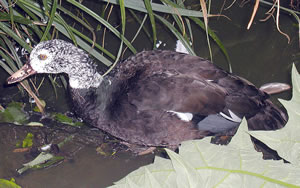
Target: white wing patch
233,117
181,48
184,116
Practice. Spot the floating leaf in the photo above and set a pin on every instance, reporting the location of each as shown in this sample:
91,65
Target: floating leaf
202,164
28,141
40,159
45,159
8,183
286,141
13,113
66,120
35,124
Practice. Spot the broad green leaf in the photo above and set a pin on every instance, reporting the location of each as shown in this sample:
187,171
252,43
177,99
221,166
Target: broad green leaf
286,141
8,183
14,113
235,165
40,159
187,176
153,182
45,159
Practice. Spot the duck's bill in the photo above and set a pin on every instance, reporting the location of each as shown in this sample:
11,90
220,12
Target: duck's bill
21,74
275,88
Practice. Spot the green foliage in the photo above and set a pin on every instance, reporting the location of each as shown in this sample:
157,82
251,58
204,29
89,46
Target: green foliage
36,109
8,183
202,164
13,113
40,21
43,160
27,22
66,120
152,20
28,141
286,141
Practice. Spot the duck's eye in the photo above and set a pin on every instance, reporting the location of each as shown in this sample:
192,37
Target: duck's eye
42,57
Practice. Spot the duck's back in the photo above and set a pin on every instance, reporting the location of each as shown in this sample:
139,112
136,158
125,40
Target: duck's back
160,98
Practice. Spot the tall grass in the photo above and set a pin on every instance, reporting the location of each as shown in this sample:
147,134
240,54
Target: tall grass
25,23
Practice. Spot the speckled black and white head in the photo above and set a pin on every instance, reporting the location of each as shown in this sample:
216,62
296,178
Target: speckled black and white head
58,56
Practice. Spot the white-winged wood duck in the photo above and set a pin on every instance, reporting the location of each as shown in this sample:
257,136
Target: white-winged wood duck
155,98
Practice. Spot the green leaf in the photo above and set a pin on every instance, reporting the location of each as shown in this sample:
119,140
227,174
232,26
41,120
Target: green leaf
35,124
188,176
17,19
140,6
51,19
152,20
215,38
45,159
177,34
286,141
202,164
66,120
68,28
28,141
8,183
12,34
104,22
35,8
40,159
13,114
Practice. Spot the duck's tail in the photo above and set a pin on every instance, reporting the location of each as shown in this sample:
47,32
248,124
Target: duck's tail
270,117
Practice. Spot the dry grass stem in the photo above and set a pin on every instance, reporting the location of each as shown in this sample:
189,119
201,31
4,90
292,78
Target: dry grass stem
255,8
277,21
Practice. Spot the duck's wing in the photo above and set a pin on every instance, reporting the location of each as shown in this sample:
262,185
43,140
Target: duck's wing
165,109
184,83
176,93
163,98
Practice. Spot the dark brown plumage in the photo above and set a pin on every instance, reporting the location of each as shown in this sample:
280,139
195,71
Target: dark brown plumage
146,85
141,100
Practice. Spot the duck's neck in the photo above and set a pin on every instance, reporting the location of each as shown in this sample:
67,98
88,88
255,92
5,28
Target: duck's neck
85,82
84,76
92,104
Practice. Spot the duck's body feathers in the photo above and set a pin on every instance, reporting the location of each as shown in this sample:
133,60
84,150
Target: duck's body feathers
156,98
136,100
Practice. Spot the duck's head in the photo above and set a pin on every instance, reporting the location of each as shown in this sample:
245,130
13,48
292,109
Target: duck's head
58,56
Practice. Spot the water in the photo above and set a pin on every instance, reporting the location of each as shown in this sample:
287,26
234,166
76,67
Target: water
260,55
86,169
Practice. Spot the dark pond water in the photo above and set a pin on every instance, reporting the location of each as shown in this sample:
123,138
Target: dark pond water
260,55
